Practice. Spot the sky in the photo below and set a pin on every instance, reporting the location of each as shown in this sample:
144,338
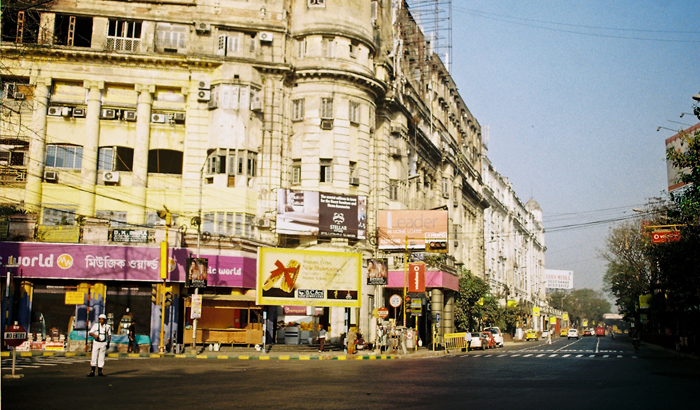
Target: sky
572,94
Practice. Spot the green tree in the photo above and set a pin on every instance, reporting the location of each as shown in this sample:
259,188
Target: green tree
586,304
471,290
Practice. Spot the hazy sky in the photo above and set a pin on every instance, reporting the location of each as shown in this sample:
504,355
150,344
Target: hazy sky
572,93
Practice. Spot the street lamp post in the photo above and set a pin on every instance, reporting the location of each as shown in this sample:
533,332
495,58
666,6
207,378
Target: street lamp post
199,245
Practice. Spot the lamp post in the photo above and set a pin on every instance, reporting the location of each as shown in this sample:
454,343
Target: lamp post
168,217
666,128
199,245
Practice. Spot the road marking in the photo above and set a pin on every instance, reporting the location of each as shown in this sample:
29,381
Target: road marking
579,355
634,357
596,346
606,355
592,355
566,355
515,355
527,355
539,355
619,356
501,355
564,347
488,355
552,355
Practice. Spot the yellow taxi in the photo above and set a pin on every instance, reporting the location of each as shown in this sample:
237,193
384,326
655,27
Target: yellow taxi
530,335
564,332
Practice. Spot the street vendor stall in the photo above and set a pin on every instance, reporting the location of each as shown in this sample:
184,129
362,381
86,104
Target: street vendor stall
227,319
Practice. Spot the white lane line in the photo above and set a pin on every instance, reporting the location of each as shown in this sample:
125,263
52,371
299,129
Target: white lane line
564,347
515,355
592,355
619,356
501,355
606,355
527,355
539,355
552,355
596,346
634,357
579,355
566,355
488,355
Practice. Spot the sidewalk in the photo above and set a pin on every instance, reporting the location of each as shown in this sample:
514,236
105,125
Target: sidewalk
277,352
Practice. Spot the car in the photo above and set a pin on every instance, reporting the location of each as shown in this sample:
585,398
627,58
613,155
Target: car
496,332
573,333
477,341
530,335
545,334
564,332
587,332
492,340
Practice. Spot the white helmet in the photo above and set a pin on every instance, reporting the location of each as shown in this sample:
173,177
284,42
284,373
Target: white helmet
103,316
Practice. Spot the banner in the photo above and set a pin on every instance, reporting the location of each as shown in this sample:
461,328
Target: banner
395,226
321,214
536,311
644,301
416,277
558,279
309,278
377,271
553,320
197,273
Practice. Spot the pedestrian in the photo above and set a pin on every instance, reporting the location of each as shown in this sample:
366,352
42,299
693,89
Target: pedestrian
133,345
321,337
468,339
549,338
102,335
351,339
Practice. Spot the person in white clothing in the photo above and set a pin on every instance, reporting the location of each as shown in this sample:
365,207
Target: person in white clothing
102,333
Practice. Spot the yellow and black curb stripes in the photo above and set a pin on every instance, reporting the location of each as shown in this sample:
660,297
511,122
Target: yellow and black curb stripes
209,357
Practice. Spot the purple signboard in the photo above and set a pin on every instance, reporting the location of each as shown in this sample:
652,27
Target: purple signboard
130,263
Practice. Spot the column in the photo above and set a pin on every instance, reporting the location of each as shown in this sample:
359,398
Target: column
37,147
86,205
436,308
143,133
449,322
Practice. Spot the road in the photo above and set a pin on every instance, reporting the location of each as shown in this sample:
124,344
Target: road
587,373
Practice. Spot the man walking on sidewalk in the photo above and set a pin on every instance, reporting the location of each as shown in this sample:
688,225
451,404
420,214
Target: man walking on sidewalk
102,333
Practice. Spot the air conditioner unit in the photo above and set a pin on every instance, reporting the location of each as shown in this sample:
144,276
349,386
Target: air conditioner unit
201,27
204,85
158,118
55,111
265,37
179,117
355,181
256,105
109,114
129,115
79,112
263,223
110,176
66,111
395,151
203,96
446,195
326,124
19,96
50,176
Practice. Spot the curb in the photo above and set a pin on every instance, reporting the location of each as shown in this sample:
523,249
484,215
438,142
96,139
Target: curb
214,357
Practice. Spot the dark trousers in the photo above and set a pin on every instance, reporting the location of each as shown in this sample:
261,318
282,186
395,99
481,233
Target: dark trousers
133,346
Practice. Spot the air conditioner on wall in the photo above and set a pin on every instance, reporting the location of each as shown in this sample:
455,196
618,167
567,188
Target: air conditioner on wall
110,176
179,117
202,28
50,176
66,111
263,223
54,111
129,115
326,124
158,118
203,95
204,85
355,181
265,37
109,114
79,112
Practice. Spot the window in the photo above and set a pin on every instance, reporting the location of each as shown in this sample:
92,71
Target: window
394,190
64,156
232,162
298,109
152,219
20,27
327,108
59,216
296,172
123,35
354,114
13,158
230,44
115,159
171,37
72,31
353,49
301,47
116,219
326,171
165,161
216,164
327,47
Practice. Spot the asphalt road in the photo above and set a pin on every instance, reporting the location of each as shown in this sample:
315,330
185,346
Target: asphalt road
588,373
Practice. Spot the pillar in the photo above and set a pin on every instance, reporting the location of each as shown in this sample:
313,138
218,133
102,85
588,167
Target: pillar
86,205
37,147
436,308
449,322
140,169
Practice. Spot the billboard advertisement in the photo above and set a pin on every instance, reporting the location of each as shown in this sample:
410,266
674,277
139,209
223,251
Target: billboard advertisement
321,214
396,226
559,279
197,272
377,271
309,278
416,277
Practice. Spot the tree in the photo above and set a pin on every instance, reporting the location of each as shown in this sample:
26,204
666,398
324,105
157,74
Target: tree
471,290
586,304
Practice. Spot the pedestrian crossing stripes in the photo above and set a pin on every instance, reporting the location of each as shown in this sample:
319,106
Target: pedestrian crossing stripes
35,362
552,355
571,351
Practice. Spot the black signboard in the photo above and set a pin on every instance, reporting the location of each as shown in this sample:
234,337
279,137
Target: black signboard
130,235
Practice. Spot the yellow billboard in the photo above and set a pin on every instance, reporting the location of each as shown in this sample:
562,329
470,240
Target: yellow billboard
552,320
536,311
308,278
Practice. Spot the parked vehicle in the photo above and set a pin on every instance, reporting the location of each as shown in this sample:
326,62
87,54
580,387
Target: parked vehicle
564,332
600,331
497,334
530,335
491,340
573,333
545,334
587,332
477,341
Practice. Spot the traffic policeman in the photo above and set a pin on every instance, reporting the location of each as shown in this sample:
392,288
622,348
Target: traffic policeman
102,335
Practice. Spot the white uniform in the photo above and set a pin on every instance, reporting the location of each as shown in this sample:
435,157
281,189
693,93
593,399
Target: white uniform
99,346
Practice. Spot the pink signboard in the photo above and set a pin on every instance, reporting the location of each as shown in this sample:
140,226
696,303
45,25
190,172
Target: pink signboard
433,279
129,263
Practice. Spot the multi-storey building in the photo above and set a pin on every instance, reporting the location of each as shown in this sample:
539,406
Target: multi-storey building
115,113
514,244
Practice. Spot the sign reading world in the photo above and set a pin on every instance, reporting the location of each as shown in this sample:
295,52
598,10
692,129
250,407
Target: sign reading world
559,279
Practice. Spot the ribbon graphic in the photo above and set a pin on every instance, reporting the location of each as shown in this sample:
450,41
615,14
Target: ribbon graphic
289,273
